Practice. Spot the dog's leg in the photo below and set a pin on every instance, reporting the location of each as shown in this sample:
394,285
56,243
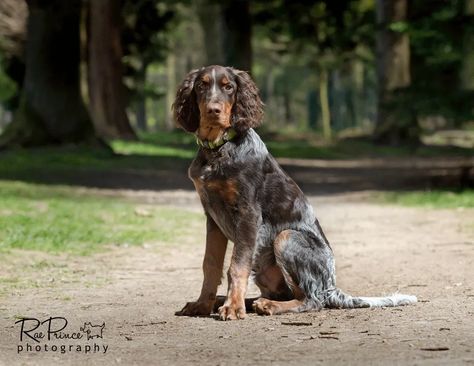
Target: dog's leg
264,306
238,274
216,245
289,247
220,300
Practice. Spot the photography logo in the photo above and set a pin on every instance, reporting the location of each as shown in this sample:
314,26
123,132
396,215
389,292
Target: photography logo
53,335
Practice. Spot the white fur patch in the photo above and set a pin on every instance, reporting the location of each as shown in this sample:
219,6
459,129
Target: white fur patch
214,83
391,300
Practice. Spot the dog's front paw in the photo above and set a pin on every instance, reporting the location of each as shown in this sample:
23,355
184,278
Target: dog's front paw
196,308
232,312
263,306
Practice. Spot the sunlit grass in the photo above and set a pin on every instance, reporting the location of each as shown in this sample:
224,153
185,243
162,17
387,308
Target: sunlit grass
166,144
144,148
58,219
431,199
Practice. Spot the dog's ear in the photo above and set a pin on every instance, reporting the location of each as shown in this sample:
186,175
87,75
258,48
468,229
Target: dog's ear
247,111
185,108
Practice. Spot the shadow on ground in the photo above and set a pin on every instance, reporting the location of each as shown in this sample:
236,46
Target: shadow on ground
315,176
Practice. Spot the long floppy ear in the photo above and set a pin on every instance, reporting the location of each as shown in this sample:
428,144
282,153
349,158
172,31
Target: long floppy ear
185,108
247,111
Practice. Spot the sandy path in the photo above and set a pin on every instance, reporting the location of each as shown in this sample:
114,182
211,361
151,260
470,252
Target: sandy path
379,249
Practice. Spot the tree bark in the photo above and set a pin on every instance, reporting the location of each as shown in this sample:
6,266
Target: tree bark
171,86
51,109
325,108
467,72
107,100
393,74
140,104
238,34
213,30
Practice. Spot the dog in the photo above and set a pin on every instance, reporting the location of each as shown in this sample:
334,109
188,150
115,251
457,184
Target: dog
249,200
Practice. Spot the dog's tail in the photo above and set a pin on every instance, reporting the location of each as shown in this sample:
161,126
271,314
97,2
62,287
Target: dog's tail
338,299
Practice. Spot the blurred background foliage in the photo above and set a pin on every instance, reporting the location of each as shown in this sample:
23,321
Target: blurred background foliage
367,87
395,71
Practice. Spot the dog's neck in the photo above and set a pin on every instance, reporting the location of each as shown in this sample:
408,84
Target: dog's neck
223,137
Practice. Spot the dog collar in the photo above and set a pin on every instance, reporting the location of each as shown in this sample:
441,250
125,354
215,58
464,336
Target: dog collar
227,136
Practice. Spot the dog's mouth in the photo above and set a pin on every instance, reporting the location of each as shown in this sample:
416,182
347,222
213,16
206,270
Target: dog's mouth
212,132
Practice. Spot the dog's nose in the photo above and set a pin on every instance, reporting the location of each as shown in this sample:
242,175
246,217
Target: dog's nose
214,109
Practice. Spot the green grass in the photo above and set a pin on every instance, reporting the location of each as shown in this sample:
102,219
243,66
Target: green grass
431,199
166,144
58,219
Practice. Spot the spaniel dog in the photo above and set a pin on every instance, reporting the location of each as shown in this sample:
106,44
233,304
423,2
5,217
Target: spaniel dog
249,200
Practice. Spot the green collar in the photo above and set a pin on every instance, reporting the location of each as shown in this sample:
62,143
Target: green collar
227,136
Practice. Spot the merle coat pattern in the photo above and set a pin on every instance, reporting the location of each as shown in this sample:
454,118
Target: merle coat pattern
249,200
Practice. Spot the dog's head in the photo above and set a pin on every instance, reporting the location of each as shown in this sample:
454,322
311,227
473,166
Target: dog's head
214,98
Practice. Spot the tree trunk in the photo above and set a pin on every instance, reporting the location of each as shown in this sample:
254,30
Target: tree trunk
171,86
213,30
141,115
393,74
311,102
51,109
140,104
467,72
238,34
324,101
287,106
106,91
357,81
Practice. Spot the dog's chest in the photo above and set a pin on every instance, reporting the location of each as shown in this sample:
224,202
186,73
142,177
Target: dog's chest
219,193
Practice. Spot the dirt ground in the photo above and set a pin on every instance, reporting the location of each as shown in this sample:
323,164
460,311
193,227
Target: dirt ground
135,291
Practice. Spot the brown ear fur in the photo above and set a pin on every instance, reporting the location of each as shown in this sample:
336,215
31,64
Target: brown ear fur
185,108
247,111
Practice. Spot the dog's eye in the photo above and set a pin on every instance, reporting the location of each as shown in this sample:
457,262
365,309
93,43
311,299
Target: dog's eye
201,86
228,87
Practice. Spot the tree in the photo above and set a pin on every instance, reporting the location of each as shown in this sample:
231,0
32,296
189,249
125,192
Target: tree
51,109
393,74
467,73
237,34
13,16
213,31
325,34
440,65
107,100
144,42
228,38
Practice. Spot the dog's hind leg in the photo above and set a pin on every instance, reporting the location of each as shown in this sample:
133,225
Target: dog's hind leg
307,269
307,264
